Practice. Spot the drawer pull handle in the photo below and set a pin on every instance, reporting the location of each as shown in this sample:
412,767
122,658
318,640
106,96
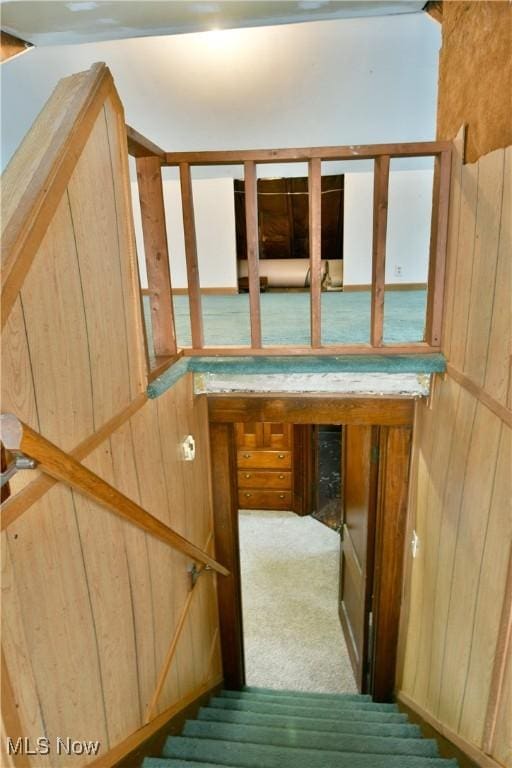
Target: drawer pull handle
281,477
281,456
281,495
248,495
247,476
247,455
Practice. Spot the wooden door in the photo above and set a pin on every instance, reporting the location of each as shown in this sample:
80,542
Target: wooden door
360,473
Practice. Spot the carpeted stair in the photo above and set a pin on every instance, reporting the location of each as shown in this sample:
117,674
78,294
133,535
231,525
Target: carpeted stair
261,728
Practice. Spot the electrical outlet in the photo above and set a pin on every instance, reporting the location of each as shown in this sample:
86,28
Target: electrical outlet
398,270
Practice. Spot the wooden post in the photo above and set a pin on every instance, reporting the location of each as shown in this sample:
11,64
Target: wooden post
253,271
151,198
380,223
315,248
438,241
225,511
189,228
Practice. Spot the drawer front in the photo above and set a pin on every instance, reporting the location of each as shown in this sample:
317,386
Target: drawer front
256,499
264,459
258,478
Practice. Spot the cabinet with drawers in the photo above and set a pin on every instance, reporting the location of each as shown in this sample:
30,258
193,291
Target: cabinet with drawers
265,465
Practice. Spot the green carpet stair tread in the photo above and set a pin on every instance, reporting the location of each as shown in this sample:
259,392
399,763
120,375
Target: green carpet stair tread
243,755
322,712
302,707
301,694
256,734
288,696
400,729
166,762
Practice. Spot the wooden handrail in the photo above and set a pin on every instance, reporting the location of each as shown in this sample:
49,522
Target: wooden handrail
140,146
289,155
15,435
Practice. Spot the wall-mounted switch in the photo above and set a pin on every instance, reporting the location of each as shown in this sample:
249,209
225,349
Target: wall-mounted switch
188,448
415,543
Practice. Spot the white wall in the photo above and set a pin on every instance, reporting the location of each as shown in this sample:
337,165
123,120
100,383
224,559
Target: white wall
215,232
408,234
349,81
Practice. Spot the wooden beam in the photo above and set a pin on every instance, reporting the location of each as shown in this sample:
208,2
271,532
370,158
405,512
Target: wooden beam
438,242
253,270
311,409
45,169
225,512
189,228
63,467
16,505
304,154
140,146
416,348
151,196
435,9
315,248
380,223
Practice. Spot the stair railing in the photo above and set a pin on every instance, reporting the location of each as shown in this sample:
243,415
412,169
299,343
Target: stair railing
17,436
150,159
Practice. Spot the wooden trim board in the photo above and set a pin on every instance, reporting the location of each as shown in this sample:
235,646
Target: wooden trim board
344,349
163,721
311,409
387,287
501,411
32,207
472,752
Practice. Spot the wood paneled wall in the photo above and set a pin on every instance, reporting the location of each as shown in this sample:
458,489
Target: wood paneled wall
456,630
89,602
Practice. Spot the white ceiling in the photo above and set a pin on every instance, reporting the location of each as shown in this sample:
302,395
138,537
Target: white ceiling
82,21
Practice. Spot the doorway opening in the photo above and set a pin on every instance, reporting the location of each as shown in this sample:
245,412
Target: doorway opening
375,438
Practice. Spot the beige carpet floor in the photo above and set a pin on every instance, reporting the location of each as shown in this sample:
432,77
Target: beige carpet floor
292,634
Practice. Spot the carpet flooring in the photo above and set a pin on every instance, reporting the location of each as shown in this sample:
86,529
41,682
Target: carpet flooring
285,318
292,634
262,728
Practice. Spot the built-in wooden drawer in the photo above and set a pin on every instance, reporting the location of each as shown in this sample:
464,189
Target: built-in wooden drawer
256,499
262,479
264,459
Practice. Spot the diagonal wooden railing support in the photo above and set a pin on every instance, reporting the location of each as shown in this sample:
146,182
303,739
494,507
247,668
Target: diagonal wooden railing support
380,223
15,435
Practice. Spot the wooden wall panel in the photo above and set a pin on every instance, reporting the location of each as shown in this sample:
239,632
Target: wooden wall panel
462,505
90,603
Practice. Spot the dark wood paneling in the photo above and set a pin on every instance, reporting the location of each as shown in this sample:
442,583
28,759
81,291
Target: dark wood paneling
395,445
311,409
225,510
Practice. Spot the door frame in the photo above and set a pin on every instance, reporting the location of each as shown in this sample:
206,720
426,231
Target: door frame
395,418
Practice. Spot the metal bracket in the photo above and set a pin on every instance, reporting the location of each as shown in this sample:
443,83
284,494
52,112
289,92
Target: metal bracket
195,572
19,462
